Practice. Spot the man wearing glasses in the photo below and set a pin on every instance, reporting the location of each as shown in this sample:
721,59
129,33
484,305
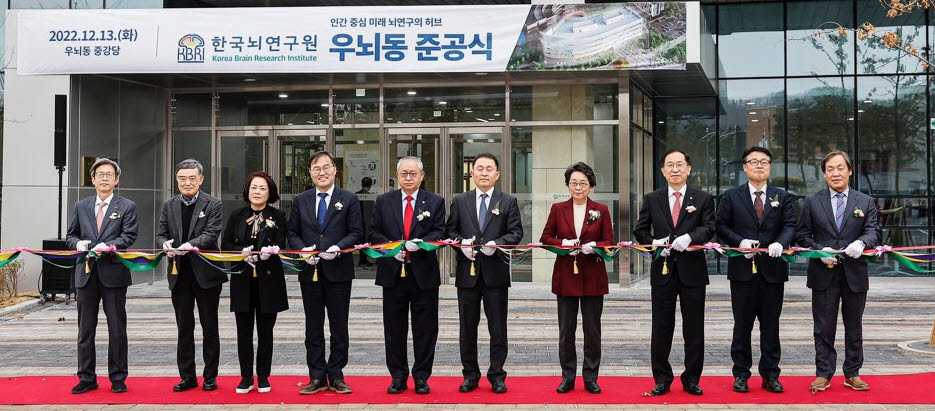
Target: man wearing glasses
674,218
106,220
326,218
756,215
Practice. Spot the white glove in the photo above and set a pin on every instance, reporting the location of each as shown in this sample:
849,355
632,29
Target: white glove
331,253
828,260
185,248
661,241
167,247
311,259
571,241
400,256
682,242
775,250
266,252
468,252
411,245
665,252
588,248
100,247
855,249
252,258
748,243
488,249
83,245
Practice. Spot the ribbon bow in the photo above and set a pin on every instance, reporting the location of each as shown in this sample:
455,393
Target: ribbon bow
882,249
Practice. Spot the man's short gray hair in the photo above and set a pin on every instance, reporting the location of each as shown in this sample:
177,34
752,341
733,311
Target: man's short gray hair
410,158
189,164
103,161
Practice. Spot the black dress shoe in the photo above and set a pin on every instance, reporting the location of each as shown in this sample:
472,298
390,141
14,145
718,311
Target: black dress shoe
659,389
740,385
422,387
693,388
499,386
83,387
397,386
314,386
468,386
185,385
340,387
210,384
772,385
565,386
592,387
118,387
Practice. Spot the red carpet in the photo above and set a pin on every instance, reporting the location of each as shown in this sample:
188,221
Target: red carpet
884,389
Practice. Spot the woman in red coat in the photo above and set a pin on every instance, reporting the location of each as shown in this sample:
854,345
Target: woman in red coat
580,278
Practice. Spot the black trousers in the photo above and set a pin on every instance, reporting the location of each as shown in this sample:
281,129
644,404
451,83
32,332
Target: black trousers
692,302
264,346
185,295
398,302
752,300
591,309
319,297
496,304
114,300
825,314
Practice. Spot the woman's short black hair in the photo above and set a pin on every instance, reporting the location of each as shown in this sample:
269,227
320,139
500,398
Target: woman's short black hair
581,168
273,191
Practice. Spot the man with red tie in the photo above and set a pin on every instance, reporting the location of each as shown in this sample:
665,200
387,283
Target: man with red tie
410,280
676,217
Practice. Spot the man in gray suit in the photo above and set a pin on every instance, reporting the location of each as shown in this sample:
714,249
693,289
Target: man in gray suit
106,220
835,219
189,222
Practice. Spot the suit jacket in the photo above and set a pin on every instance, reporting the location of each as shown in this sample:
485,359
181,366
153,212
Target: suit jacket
816,229
271,280
343,228
119,229
736,221
655,221
203,231
386,225
505,228
591,279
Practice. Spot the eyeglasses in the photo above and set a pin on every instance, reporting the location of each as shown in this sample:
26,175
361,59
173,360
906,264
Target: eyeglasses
322,170
755,163
105,176
403,176
583,184
675,166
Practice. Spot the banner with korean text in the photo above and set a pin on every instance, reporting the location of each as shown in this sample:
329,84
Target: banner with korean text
490,38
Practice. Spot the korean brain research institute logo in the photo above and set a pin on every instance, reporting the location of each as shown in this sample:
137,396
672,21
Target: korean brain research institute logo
191,49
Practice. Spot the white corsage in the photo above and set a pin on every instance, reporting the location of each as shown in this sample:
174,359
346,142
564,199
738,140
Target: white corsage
858,213
593,215
114,216
201,214
270,223
775,202
495,211
690,209
423,215
338,206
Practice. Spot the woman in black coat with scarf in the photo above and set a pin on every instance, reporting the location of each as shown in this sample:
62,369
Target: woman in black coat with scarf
258,289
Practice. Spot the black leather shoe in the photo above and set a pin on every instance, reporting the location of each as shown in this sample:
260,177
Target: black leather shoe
659,389
740,385
592,387
340,387
83,387
693,388
422,387
185,385
468,386
499,386
397,386
565,386
315,386
210,384
118,387
772,385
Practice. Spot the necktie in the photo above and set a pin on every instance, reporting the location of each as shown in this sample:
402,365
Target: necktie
676,208
407,220
758,206
482,214
322,209
100,216
839,210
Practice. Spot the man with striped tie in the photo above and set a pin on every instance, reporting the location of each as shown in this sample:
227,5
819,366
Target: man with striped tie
838,219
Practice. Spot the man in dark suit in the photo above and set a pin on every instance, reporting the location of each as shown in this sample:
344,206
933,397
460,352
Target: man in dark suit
366,211
835,219
683,216
755,215
326,218
489,217
189,222
106,220
410,280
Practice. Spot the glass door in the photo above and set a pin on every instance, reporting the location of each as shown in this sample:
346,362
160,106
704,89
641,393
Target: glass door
424,143
241,153
295,148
